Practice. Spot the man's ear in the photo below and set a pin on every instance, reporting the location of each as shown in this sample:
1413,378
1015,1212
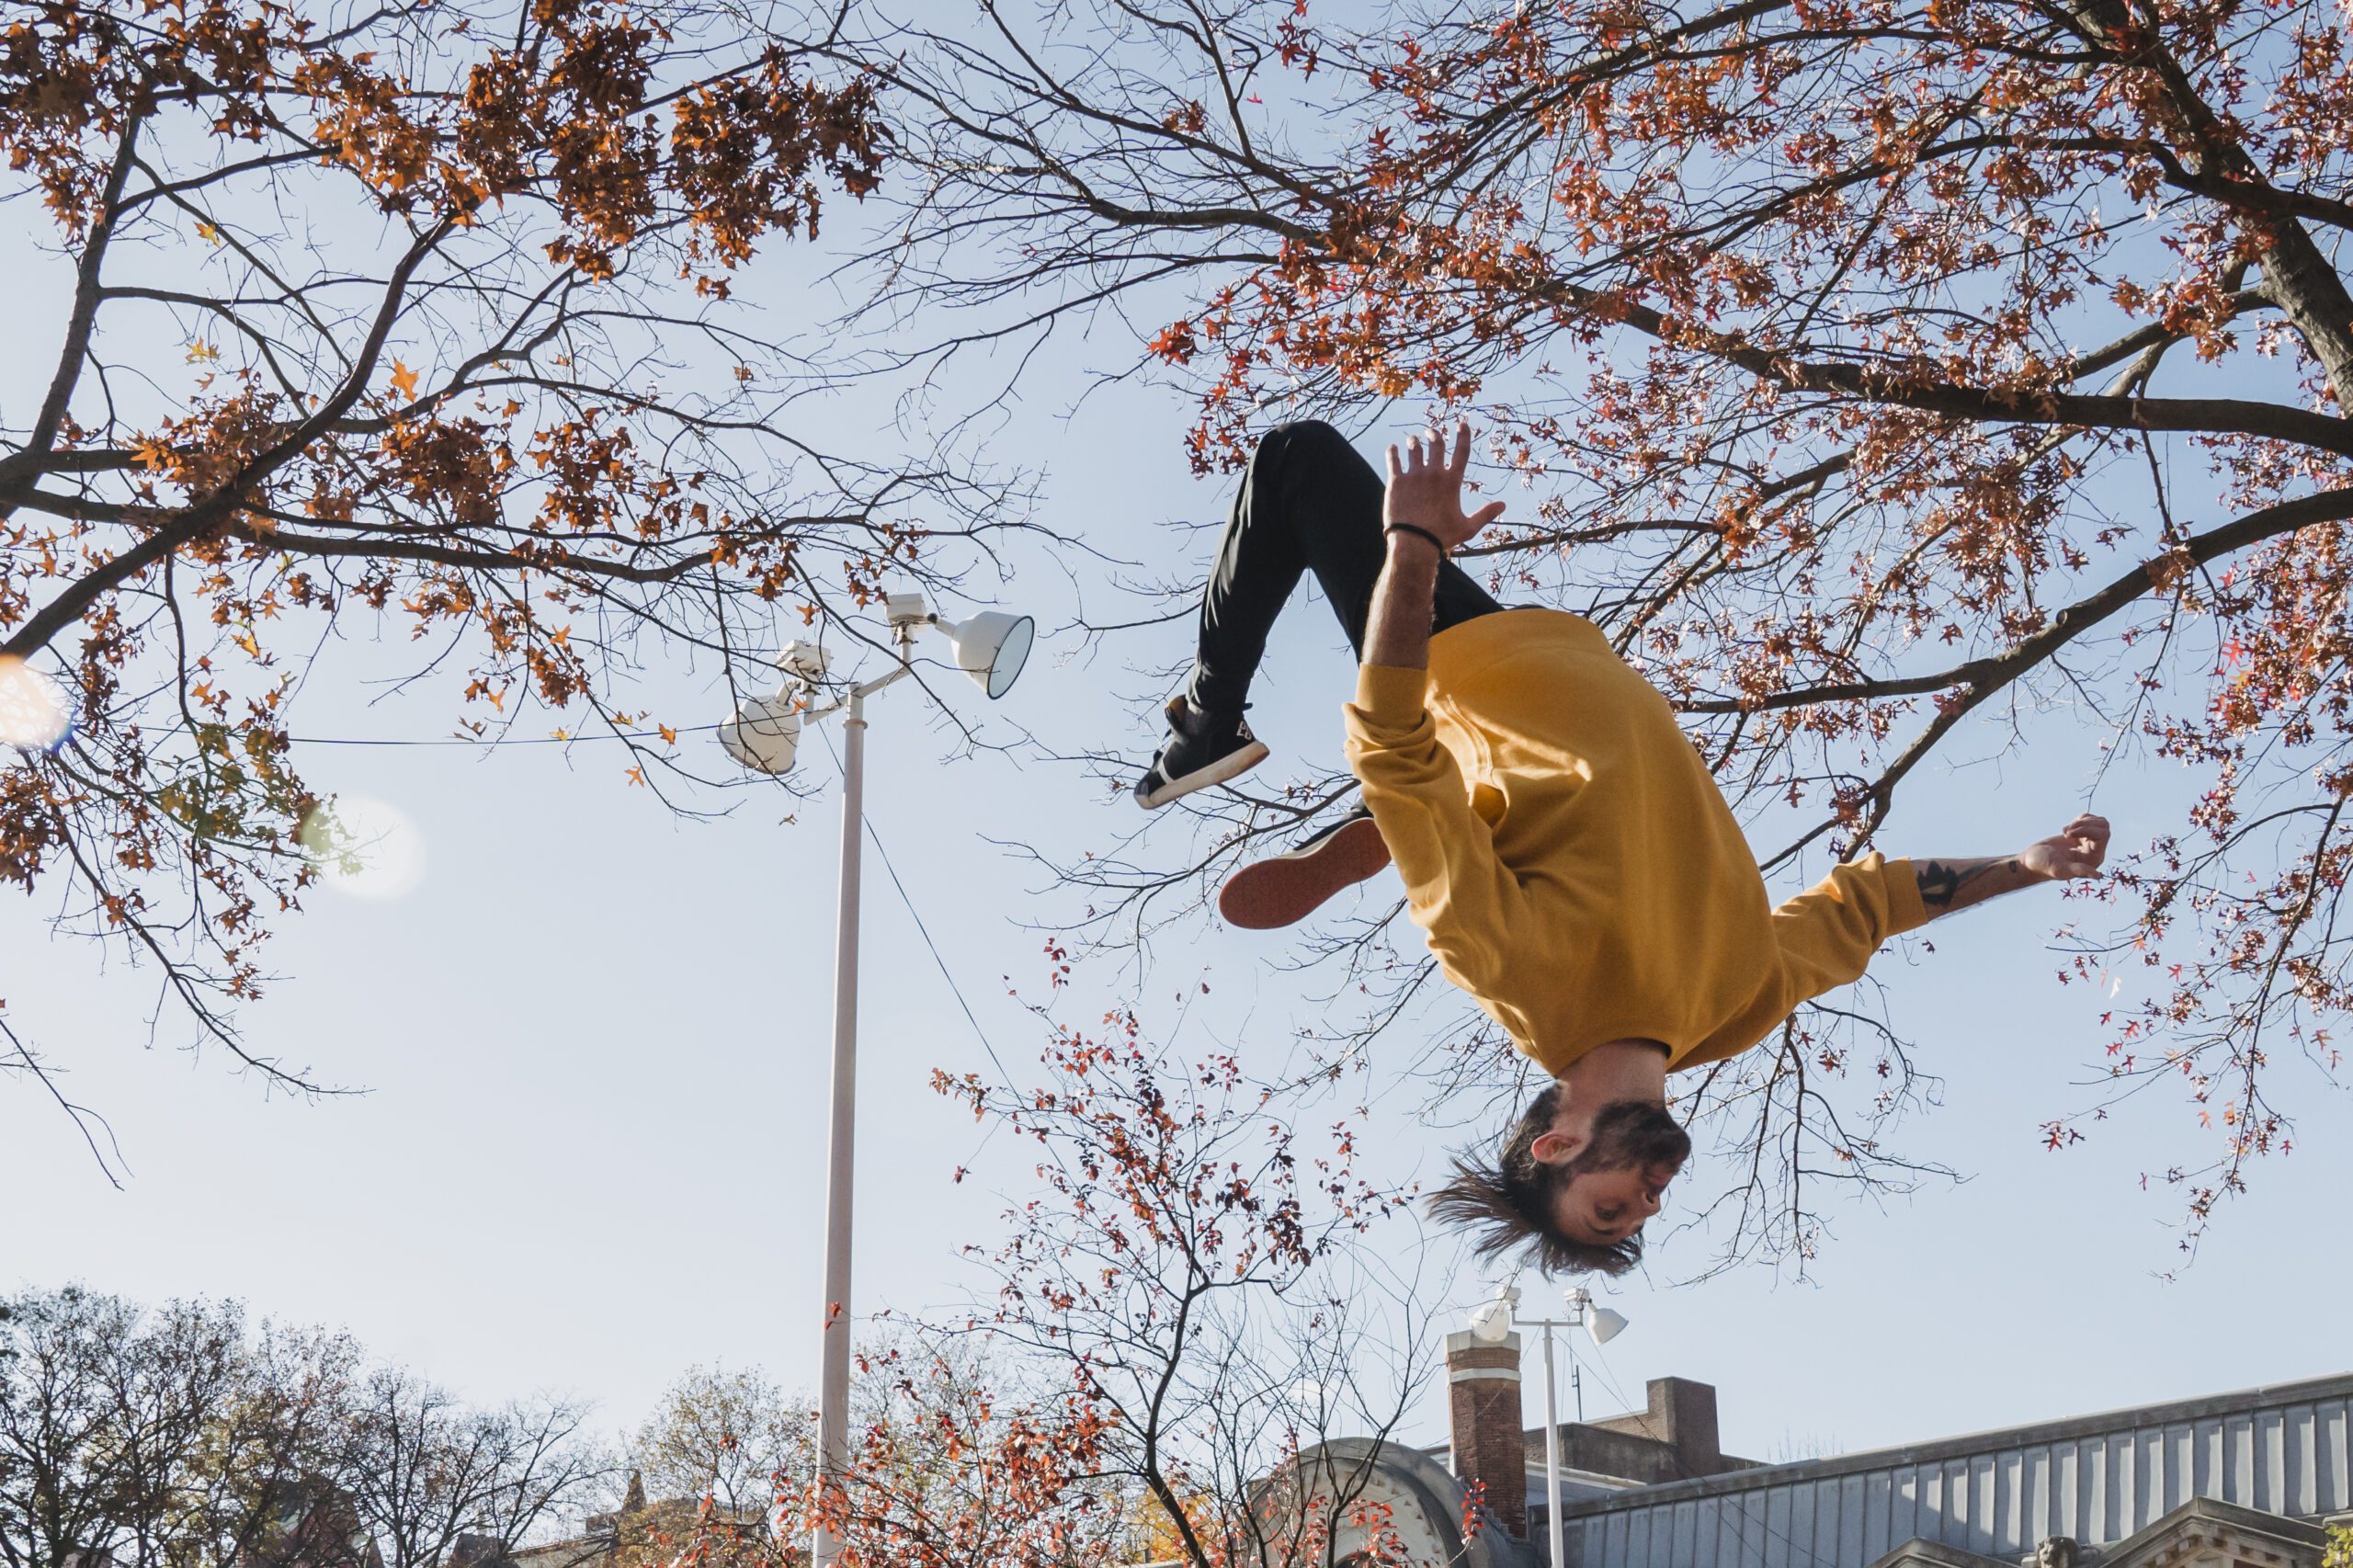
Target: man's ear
1555,1147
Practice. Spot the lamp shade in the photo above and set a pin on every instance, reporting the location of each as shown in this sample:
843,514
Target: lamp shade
1491,1321
1603,1323
764,734
991,647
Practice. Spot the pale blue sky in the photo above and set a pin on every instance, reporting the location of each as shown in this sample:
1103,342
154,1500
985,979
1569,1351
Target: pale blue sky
593,1045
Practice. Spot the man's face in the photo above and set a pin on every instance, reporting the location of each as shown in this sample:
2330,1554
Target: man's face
1620,1158
1603,1207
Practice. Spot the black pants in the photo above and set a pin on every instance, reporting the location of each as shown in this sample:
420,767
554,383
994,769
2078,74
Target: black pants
1308,503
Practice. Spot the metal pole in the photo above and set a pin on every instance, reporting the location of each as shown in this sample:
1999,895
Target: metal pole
1552,1454
833,1396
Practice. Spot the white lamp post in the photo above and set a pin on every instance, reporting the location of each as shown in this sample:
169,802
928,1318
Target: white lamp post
765,737
1493,1321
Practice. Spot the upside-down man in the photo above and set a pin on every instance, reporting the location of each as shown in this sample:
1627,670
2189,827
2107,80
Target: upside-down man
1563,843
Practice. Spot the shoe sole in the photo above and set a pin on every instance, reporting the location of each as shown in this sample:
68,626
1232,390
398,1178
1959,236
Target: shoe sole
1286,890
1232,765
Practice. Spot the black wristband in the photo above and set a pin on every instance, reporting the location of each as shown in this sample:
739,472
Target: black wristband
1411,528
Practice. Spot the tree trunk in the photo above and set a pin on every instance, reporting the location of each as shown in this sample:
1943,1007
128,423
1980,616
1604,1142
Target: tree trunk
2298,277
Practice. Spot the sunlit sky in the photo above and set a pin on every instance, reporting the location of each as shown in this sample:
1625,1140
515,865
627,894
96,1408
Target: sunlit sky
589,1040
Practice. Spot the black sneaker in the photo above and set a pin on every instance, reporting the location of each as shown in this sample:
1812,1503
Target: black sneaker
1286,889
1202,750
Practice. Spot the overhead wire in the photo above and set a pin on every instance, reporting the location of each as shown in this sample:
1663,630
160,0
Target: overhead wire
955,990
872,836
1600,1372
1741,1508
557,739
1738,1507
1739,1511
875,838
978,1033
500,740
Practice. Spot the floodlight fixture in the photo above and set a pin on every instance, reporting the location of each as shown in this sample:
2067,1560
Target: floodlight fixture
1597,1319
1490,1321
991,645
764,732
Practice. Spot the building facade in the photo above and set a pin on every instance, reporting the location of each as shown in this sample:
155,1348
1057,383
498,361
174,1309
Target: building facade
2108,1486
2254,1479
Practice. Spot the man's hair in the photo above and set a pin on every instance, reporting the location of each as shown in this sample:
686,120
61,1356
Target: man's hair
1509,1204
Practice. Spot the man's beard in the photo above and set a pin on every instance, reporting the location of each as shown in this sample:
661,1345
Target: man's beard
1632,1135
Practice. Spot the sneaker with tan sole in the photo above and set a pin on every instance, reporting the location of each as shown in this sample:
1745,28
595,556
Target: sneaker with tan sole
1202,749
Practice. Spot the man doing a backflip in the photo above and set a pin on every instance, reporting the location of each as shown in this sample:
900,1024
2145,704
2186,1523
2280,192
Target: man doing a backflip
1563,844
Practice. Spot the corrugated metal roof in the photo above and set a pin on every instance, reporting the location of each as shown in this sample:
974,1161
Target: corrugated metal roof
2096,1478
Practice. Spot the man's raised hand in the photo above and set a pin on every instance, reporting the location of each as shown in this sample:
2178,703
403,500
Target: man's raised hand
1425,490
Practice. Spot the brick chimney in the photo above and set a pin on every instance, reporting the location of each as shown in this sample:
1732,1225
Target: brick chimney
1687,1412
1482,1392
1674,1439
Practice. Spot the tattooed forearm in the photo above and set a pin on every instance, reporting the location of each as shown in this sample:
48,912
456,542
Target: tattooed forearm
1947,885
2074,851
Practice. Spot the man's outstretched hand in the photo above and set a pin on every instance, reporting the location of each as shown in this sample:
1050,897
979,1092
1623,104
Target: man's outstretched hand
2075,850
1425,489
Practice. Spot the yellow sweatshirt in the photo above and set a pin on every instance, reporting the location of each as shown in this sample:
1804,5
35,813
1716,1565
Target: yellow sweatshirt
1572,861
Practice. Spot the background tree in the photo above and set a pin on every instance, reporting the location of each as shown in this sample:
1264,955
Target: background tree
410,322
424,1470
156,1439
1886,373
726,1436
962,1454
957,1457
179,1437
1181,1274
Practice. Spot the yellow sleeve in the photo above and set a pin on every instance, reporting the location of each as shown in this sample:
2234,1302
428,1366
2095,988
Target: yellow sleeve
1465,899
1828,933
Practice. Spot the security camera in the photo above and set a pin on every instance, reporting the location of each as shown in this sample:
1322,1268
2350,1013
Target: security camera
907,611
804,661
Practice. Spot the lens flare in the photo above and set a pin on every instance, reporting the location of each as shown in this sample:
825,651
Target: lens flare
363,846
33,711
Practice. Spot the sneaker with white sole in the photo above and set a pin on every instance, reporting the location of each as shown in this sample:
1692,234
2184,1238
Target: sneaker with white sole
1286,889
1201,750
